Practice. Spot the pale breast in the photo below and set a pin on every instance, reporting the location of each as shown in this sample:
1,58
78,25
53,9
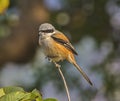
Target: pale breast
48,46
52,49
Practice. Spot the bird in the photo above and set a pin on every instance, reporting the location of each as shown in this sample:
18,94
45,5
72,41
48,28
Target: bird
57,47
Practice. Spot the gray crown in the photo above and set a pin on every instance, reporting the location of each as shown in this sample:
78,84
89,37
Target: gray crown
46,26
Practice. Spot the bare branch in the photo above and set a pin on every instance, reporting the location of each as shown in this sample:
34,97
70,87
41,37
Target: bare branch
64,81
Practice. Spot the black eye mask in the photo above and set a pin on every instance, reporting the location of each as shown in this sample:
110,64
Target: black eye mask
47,31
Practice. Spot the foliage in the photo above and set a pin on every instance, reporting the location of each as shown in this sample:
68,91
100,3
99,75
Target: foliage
18,94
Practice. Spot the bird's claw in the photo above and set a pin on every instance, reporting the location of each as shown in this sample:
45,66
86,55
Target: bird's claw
49,59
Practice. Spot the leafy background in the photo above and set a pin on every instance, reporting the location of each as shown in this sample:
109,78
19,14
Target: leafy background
93,26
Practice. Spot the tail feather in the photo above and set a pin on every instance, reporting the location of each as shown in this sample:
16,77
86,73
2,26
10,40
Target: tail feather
71,59
83,73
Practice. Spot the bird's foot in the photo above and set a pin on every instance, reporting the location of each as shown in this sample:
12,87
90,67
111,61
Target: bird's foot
49,59
57,65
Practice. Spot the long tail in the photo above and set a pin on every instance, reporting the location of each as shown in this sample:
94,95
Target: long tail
83,73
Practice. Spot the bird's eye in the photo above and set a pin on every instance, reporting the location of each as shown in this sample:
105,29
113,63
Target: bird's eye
47,31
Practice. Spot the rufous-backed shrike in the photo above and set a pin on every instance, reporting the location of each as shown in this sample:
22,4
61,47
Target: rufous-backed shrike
57,47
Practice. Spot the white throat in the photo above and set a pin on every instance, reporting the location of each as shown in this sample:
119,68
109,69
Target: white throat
45,35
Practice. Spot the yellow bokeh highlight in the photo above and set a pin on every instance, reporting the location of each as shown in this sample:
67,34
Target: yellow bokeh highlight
4,5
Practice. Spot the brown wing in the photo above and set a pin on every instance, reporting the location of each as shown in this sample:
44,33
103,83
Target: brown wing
63,40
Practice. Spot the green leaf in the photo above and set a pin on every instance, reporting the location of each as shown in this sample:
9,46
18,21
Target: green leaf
18,94
38,95
12,89
34,95
7,90
13,96
2,92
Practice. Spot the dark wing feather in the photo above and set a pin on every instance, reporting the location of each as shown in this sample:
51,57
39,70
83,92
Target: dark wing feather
66,44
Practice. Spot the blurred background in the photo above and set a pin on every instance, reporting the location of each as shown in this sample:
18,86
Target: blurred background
93,26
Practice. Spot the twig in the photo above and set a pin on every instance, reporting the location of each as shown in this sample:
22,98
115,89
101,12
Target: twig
64,81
